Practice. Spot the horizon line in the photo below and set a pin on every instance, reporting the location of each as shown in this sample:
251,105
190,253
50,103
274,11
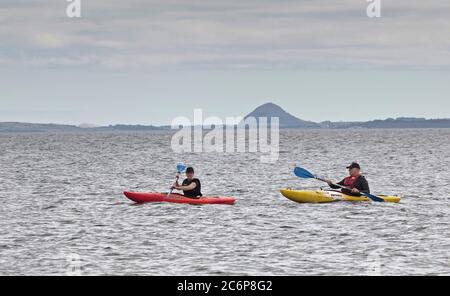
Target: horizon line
168,125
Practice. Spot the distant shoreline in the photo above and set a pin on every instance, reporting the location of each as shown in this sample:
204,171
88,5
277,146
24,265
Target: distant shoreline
268,110
31,128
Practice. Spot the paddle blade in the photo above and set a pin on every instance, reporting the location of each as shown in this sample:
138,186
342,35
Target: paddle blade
302,173
181,167
373,197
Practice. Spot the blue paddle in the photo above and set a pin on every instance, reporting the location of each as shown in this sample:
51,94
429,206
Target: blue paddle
181,168
303,173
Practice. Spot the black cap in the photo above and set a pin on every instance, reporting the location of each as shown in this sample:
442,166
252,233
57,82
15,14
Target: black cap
354,165
190,170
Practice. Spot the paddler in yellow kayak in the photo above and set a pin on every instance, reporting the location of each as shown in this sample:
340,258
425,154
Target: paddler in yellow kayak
356,182
191,186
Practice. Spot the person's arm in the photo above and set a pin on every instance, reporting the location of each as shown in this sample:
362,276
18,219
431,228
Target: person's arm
189,187
176,184
361,187
364,186
330,183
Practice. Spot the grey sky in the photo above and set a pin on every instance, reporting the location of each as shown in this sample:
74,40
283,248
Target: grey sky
149,61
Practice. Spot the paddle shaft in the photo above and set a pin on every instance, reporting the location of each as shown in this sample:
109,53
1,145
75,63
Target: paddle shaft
171,189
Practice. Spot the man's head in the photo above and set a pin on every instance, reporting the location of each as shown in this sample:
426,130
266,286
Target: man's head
190,173
354,169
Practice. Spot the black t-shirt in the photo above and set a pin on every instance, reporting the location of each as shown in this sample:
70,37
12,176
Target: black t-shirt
197,192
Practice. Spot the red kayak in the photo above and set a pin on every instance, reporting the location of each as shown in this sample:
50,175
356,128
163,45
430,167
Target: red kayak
177,198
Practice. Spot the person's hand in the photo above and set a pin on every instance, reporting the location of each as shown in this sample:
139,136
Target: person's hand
177,176
355,190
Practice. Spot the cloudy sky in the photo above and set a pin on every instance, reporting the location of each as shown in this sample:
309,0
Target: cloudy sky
148,61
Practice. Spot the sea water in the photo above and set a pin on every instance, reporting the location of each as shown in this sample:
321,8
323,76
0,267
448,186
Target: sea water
62,209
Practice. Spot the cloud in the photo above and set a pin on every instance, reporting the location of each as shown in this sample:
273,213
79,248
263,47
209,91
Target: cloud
48,41
227,34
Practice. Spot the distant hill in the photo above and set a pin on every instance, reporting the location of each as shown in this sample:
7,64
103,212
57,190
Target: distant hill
286,120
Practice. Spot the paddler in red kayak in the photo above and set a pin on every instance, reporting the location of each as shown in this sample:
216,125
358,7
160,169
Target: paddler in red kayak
356,182
191,186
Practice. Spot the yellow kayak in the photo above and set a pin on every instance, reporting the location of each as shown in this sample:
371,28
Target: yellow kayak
320,196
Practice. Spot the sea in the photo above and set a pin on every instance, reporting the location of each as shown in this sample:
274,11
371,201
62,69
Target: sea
63,211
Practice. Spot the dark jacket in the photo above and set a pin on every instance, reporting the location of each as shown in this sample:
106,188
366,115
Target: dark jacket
197,192
361,184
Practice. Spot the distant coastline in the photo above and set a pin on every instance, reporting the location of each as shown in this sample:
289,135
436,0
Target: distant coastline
287,121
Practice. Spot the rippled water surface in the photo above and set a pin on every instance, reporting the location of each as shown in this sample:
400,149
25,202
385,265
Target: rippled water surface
62,209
